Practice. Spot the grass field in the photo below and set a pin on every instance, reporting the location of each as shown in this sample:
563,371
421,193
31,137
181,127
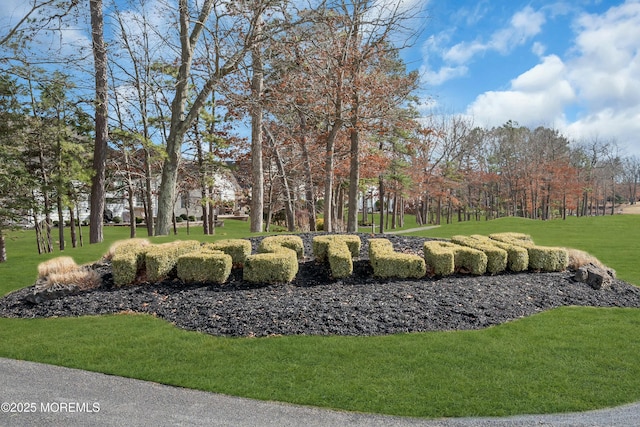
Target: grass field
568,359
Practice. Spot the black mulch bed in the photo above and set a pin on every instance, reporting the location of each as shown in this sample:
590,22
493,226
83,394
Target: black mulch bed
316,304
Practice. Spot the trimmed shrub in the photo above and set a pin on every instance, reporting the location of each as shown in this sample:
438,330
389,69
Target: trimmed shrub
127,245
161,259
238,249
471,259
125,267
541,258
273,243
204,266
321,245
388,263
340,260
496,257
276,262
444,257
127,260
517,256
272,267
339,250
439,256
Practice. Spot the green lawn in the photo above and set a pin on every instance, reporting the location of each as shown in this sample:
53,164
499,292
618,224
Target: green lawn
569,359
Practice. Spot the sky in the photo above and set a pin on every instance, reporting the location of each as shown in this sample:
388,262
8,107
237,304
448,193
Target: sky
570,65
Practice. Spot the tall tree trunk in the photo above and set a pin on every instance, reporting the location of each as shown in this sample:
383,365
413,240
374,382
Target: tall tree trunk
72,227
148,193
3,248
354,181
329,174
180,118
60,222
289,205
257,168
308,173
381,196
101,122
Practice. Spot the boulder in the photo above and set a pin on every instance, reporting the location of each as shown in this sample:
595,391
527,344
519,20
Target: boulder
594,276
43,293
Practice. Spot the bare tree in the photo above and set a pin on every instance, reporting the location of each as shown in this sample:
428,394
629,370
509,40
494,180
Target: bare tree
101,122
227,60
631,174
32,20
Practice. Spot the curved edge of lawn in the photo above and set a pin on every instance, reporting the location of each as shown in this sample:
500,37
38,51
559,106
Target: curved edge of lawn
567,359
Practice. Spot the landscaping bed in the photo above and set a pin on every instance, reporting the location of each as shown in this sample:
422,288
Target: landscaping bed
315,304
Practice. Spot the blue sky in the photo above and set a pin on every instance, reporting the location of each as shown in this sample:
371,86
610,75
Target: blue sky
571,65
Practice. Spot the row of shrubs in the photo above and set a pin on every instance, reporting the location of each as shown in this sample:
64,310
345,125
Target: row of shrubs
276,260
277,257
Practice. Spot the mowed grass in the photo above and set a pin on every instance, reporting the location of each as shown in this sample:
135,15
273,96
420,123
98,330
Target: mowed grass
569,359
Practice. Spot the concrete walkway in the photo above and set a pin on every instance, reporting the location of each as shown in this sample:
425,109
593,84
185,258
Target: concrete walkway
412,230
33,394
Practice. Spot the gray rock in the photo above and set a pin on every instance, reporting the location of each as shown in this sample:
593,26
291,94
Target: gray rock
594,276
43,292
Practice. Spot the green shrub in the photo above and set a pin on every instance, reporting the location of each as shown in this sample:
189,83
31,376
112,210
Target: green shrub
124,268
548,258
161,259
388,263
439,257
204,266
321,245
340,260
238,249
496,257
117,220
473,260
444,257
128,260
320,224
517,256
541,258
339,250
276,262
273,243
272,267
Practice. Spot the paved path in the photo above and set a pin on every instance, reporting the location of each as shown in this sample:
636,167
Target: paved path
58,396
411,230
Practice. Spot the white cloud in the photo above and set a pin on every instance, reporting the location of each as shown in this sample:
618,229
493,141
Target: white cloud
538,49
435,78
599,81
534,97
523,25
605,70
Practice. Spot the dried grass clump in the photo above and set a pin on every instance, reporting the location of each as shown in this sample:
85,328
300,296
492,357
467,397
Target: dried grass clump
83,278
59,265
578,258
